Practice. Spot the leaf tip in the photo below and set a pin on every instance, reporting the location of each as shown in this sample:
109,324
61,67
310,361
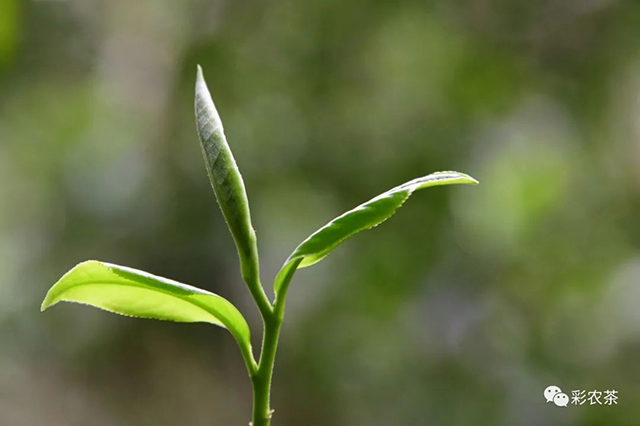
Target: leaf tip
458,177
461,178
47,302
52,296
201,83
472,180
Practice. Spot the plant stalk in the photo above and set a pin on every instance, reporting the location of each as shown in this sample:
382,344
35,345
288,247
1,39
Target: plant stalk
262,379
250,269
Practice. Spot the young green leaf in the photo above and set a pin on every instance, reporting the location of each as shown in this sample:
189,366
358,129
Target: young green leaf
365,216
229,188
130,292
223,172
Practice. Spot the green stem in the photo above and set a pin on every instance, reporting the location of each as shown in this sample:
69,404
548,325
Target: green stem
250,268
261,381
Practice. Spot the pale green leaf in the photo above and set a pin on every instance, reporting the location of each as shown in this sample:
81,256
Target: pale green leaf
365,216
223,172
130,292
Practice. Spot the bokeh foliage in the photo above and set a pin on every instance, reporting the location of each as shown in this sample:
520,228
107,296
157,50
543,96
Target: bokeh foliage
459,311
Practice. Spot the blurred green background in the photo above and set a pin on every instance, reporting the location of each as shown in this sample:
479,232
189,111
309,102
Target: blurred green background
460,310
